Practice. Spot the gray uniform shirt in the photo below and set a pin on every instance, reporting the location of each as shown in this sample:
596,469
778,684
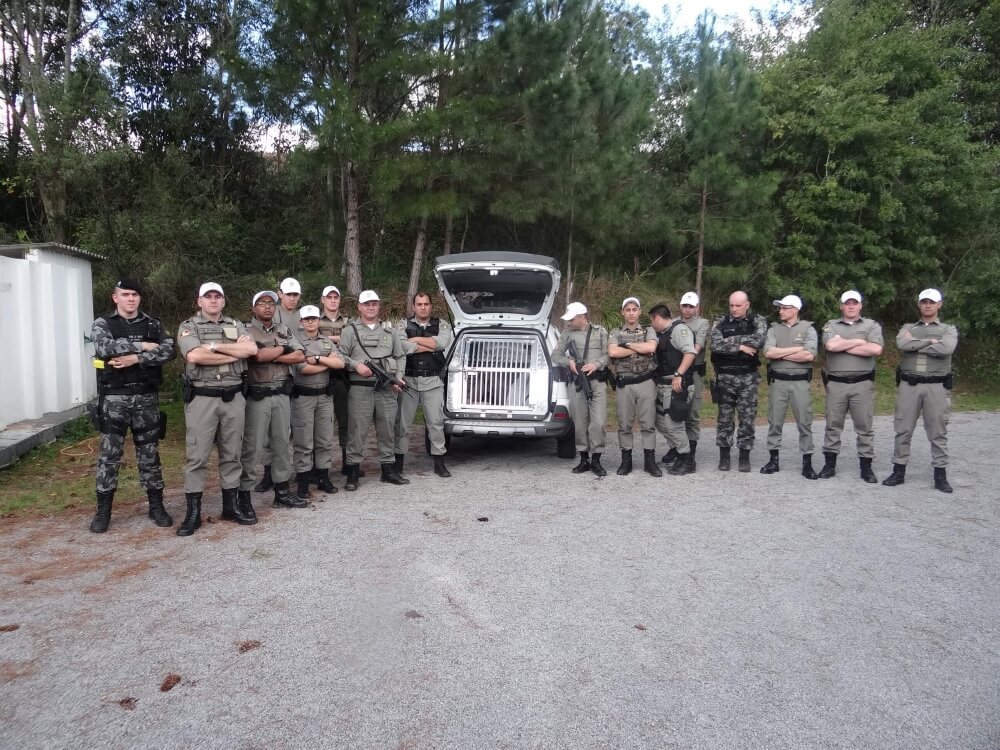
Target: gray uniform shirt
596,351
699,328
383,343
919,355
198,330
781,336
845,363
319,346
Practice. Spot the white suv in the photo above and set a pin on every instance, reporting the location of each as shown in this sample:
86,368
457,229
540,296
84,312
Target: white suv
500,378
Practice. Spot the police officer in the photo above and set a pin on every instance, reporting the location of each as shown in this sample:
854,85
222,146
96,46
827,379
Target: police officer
691,317
590,360
852,343
269,385
675,355
364,342
215,349
312,406
736,339
425,341
331,324
790,349
631,347
925,381
287,314
132,347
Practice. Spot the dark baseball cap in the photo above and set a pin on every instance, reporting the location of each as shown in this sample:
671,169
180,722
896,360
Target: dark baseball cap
129,284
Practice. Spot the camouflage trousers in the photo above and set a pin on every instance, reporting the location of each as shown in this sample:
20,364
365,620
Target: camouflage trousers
141,414
737,397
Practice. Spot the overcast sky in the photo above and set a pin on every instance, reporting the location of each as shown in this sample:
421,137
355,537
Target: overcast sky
686,14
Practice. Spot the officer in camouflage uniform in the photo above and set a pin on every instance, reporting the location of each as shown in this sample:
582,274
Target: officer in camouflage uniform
269,385
631,347
790,349
925,381
215,348
425,341
133,347
590,417
287,314
312,407
691,317
675,355
331,325
736,339
852,343
365,341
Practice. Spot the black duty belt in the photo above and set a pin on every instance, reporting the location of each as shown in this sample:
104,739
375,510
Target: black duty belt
259,392
305,390
735,370
226,394
423,373
599,376
918,379
132,389
621,381
859,378
776,375
700,369
363,383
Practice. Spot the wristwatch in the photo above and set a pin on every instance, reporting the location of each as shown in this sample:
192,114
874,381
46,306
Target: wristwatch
211,346
316,359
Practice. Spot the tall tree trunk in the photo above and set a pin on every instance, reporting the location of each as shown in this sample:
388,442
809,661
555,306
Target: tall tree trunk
352,238
331,223
701,237
418,262
448,226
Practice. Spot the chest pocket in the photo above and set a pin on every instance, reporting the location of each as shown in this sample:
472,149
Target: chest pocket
221,334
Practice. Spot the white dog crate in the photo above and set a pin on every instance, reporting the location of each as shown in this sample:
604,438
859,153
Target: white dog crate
46,299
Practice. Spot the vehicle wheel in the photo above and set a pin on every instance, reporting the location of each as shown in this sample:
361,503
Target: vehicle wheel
566,445
427,442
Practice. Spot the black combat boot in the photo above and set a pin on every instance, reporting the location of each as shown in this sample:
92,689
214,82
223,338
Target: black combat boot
744,460
192,521
829,466
649,464
102,518
684,465
398,465
625,468
283,496
584,465
390,475
694,448
866,471
941,479
231,510
723,459
323,482
302,485
245,507
807,466
265,483
343,460
771,467
353,471
897,477
156,510
595,465
669,457
439,468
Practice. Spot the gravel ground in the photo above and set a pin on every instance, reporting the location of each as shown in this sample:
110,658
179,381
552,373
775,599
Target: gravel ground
517,605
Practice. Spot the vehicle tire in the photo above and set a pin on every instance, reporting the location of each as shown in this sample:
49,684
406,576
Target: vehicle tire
427,442
566,445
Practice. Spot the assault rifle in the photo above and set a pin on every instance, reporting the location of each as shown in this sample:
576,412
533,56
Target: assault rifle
383,379
582,381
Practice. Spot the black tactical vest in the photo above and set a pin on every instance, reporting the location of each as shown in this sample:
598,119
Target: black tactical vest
424,363
730,327
668,356
147,329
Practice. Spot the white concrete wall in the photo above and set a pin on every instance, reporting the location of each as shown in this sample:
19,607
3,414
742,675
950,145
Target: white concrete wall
47,309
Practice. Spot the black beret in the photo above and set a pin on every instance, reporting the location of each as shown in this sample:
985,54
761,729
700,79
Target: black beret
130,284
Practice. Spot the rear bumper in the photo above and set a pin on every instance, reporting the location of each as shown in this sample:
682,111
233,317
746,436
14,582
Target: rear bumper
505,429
